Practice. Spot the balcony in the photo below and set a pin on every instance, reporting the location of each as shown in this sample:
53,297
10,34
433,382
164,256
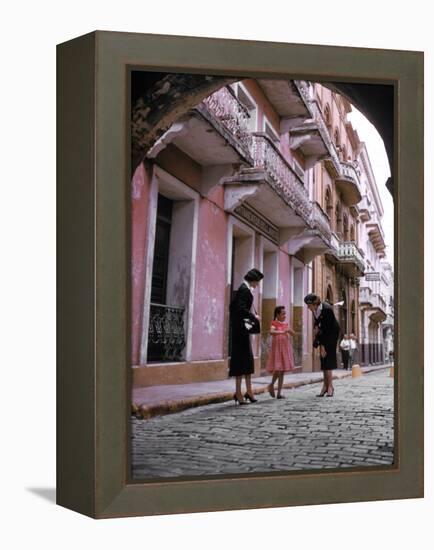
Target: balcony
284,179
348,183
345,174
365,297
377,309
312,136
225,108
215,132
364,210
271,186
314,240
289,103
321,223
376,236
166,337
350,258
374,304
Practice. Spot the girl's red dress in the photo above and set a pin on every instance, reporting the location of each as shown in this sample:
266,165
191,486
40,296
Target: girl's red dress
281,357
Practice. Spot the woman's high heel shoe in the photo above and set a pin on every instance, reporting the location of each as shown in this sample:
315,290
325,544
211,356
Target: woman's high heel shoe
331,394
251,399
323,392
242,402
271,390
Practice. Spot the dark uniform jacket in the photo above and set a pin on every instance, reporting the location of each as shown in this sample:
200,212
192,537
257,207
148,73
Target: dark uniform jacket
328,331
241,361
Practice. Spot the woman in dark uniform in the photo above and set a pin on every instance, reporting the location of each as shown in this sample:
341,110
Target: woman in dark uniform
241,362
326,335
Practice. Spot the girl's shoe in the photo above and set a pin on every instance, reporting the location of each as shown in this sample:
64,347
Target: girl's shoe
271,390
251,399
323,392
242,402
331,394
280,396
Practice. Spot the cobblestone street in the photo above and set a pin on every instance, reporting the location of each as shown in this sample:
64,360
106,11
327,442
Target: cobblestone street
301,432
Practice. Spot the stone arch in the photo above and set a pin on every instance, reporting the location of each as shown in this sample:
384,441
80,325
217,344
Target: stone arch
159,99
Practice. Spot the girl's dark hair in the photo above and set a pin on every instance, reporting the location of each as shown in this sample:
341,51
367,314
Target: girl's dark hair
277,310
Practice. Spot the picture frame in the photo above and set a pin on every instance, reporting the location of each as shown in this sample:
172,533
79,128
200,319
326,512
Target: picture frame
94,168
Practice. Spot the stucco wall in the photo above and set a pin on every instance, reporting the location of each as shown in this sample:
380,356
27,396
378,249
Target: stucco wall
284,290
140,184
209,305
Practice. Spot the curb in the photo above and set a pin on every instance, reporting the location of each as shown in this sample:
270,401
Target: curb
145,412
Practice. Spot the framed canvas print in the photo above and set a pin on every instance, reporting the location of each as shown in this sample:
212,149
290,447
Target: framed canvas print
240,288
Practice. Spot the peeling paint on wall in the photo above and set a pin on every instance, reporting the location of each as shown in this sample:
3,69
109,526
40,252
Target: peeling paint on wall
209,313
137,184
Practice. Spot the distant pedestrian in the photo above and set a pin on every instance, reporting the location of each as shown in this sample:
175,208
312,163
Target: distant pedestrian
354,348
243,323
281,358
326,335
345,346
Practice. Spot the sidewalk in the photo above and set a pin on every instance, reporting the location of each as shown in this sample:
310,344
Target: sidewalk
158,400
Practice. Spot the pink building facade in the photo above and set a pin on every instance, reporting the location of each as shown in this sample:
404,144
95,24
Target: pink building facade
235,183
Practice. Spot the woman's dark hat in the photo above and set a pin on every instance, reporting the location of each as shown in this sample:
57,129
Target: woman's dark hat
311,299
253,275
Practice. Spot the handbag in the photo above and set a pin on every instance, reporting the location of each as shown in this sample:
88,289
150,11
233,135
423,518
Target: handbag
252,326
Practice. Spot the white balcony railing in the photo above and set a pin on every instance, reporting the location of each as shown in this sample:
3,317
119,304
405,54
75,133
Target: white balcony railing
226,108
349,172
284,178
321,221
230,112
318,117
375,300
349,252
365,295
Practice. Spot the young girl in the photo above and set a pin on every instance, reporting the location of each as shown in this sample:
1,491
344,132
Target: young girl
280,359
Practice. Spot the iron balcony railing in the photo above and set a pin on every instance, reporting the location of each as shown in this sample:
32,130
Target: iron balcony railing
166,338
